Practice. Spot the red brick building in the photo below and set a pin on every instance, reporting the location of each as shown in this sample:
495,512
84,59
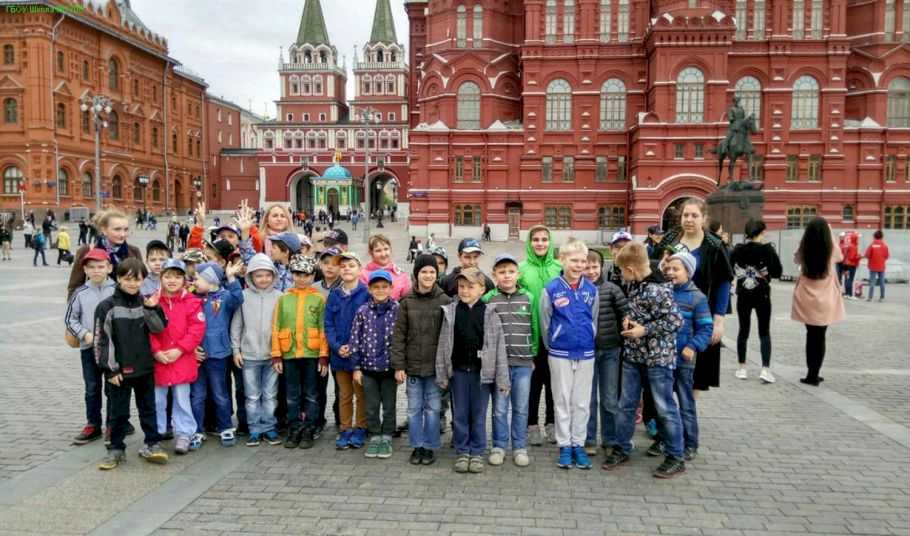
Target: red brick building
590,115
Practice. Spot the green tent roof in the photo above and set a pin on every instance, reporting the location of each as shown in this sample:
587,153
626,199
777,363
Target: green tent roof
312,25
383,24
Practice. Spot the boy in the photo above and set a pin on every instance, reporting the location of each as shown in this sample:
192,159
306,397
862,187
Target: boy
471,354
176,368
80,318
283,246
219,305
469,252
414,357
612,308
342,305
300,350
123,323
251,332
63,247
156,252
371,335
568,322
221,252
192,258
649,352
442,262
519,324
329,264
693,337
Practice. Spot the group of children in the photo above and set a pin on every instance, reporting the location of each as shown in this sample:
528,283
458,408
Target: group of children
173,330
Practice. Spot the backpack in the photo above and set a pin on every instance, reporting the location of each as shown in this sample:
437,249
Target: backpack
39,240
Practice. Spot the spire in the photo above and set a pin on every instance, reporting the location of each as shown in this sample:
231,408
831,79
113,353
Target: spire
312,25
383,24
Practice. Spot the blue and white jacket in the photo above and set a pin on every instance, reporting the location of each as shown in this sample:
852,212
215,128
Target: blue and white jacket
219,307
568,318
698,324
340,309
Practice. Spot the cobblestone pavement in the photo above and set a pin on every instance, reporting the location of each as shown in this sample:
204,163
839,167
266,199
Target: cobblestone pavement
774,459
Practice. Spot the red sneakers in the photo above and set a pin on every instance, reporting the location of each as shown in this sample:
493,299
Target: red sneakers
89,433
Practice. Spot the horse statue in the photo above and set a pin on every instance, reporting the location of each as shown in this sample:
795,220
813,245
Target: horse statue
736,144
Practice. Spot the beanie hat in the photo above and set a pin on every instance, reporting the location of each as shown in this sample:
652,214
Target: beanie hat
687,260
211,273
423,260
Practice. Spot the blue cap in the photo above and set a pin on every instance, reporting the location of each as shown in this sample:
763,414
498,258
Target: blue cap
330,252
211,272
291,240
504,257
174,264
380,274
469,245
228,227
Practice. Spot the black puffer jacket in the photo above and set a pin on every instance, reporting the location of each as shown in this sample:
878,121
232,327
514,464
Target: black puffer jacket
613,308
416,332
122,328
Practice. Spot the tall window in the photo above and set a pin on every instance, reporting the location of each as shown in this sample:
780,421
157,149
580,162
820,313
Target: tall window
461,27
12,178
390,85
174,142
748,89
61,115
889,20
113,126
10,110
317,89
468,215
613,105
897,217
137,134
476,169
559,217
9,55
805,103
818,18
622,23
189,145
550,22
86,121
798,217
155,137
799,18
792,168
605,20
113,74
85,70
611,216
469,106
61,61
568,169
559,105
568,21
890,168
742,23
88,185
546,169
621,168
478,26
138,191
117,187
156,190
756,168
758,20
690,96
600,171
459,168
815,168
899,102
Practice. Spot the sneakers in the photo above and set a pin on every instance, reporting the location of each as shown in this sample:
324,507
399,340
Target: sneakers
670,468
497,456
317,432
181,445
107,436
590,449
551,434
581,458
565,460
196,441
385,448
293,439
742,374
307,438
614,459
272,438
534,436
130,429
462,463
651,428
254,440
228,439
153,454
475,465
89,433
113,459
656,449
690,454
416,456
373,447
766,376
358,438
520,457
429,457
344,440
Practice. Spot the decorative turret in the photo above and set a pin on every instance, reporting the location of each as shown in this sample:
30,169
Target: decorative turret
381,75
312,25
383,24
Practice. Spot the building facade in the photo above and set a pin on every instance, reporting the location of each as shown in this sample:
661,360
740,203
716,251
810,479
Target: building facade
591,115
52,58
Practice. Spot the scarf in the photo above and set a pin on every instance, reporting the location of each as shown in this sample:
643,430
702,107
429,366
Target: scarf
114,253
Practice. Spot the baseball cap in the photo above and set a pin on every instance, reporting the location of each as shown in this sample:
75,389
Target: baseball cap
227,227
330,252
469,245
471,275
441,252
620,235
655,229
504,257
95,254
302,264
336,236
380,274
290,240
210,272
193,255
350,256
174,264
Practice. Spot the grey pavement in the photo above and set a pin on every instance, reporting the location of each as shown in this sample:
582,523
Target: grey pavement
774,459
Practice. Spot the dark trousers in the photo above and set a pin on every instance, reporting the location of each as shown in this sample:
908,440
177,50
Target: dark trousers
745,303
380,391
281,407
815,350
235,374
118,404
540,379
302,392
43,258
846,274
93,379
469,412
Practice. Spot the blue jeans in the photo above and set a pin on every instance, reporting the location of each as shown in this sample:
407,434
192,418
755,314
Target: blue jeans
520,390
845,274
872,282
469,414
94,380
682,386
260,385
182,414
661,381
301,375
43,259
423,412
605,390
212,381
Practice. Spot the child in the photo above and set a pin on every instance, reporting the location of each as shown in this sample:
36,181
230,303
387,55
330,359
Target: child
329,264
156,252
514,306
63,246
219,305
442,262
176,368
649,352
251,333
568,323
80,318
221,252
471,353
191,258
39,242
693,337
371,336
343,303
123,323
612,308
299,349
469,252
414,357
282,247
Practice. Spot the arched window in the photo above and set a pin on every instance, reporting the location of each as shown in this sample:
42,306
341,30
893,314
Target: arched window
690,96
390,85
113,74
478,26
317,85
384,140
321,140
613,105
9,55
361,139
461,27
63,182
156,190
568,21
366,83
341,141
295,85
88,185
377,86
117,187
559,105
138,191
307,57
10,110
468,106
137,134
113,126
805,103
899,102
379,56
12,178
748,89
311,140
61,115
305,85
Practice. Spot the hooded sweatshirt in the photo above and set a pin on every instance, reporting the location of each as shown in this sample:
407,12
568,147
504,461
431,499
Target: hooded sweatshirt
184,331
251,327
340,309
535,272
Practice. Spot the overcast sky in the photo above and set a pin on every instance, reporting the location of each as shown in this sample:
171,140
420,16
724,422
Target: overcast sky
234,44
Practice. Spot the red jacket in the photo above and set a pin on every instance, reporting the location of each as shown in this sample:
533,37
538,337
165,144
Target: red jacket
185,329
850,249
877,254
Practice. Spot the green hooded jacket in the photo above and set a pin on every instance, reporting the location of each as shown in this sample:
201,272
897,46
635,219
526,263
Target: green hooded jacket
535,272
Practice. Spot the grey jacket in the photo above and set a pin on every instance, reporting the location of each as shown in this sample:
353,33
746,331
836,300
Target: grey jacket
493,358
80,312
251,326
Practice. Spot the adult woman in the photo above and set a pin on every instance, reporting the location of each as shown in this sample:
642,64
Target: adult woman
381,253
113,227
755,264
713,276
277,220
817,299
877,254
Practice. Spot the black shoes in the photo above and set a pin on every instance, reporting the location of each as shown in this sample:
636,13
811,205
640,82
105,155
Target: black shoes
671,468
811,381
429,457
293,439
416,456
614,459
656,449
307,438
690,454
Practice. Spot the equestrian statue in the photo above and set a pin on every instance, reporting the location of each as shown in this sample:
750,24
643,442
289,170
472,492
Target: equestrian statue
736,145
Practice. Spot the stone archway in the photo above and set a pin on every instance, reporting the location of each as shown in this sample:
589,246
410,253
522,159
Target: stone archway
331,201
301,192
383,185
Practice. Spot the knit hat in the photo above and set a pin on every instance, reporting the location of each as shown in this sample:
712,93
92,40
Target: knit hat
687,260
422,261
211,273
302,264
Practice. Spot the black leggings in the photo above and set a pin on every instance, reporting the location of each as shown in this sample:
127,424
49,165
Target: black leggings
762,305
815,350
540,379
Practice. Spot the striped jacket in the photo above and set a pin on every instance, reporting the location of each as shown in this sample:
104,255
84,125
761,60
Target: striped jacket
519,324
80,312
123,325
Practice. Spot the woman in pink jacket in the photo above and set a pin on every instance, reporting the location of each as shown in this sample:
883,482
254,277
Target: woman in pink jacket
818,301
381,253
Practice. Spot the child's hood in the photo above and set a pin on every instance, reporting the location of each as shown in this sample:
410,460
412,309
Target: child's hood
259,261
532,257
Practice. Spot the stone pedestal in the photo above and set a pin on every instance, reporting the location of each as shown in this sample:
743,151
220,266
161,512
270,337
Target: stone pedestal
733,208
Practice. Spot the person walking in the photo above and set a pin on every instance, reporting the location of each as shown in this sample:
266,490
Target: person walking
28,230
6,239
846,270
877,254
39,242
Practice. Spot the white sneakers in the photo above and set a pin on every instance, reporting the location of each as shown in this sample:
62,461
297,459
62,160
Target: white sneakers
497,456
766,376
742,374
520,457
551,433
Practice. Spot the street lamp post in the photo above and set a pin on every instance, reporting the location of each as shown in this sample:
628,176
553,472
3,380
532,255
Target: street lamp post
367,116
197,184
98,105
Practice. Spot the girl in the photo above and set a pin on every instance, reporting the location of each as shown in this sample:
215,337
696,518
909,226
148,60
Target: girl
381,253
114,228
